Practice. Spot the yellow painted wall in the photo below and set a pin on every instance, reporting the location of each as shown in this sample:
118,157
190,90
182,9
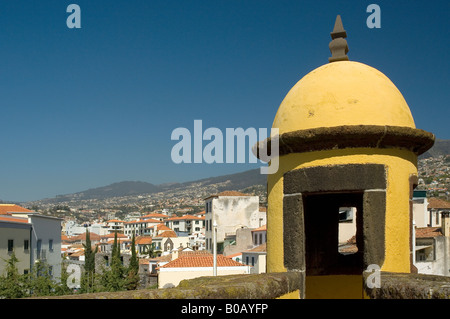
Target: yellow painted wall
400,165
334,287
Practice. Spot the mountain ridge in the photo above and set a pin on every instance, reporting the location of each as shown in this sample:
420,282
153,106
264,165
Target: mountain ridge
235,181
134,188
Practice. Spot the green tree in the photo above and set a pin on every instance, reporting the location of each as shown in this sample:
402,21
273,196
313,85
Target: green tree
40,280
88,278
152,252
112,279
132,280
12,285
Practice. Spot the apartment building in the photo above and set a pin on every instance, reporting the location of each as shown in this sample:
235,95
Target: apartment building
43,242
186,225
15,236
231,210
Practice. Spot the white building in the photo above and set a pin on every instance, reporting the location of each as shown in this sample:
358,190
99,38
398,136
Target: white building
189,266
15,236
230,211
71,228
45,241
186,225
432,235
256,258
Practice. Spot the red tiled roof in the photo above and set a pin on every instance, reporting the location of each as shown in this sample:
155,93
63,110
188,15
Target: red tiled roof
264,227
151,220
186,217
93,236
201,261
143,240
234,255
162,227
427,232
111,235
115,221
260,248
143,261
7,208
167,233
9,218
434,202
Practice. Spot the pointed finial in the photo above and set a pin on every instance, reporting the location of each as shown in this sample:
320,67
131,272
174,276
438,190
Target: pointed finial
338,45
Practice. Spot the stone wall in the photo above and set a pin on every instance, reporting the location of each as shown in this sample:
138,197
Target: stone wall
409,286
275,285
261,286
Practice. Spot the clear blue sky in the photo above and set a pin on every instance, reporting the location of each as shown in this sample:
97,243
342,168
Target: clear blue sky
83,108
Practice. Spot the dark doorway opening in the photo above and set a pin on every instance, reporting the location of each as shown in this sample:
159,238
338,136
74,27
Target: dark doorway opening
322,215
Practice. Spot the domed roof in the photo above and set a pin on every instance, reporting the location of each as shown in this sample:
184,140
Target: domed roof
343,93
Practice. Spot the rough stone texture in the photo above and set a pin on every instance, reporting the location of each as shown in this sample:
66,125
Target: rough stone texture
260,286
331,178
374,220
352,136
409,286
294,233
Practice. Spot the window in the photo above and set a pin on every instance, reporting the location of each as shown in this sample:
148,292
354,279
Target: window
26,245
10,245
50,245
253,261
38,248
347,230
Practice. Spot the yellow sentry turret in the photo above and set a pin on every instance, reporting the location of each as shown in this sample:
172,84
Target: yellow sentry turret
340,202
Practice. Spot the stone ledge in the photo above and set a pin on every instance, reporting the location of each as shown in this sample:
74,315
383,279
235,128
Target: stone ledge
260,286
409,286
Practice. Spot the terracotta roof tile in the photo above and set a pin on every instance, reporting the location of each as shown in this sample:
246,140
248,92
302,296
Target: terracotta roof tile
264,227
115,221
162,227
7,208
111,235
201,261
93,236
9,218
143,240
167,233
185,217
260,248
434,202
427,232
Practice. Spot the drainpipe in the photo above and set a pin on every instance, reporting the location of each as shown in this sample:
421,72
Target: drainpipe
414,242
215,248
